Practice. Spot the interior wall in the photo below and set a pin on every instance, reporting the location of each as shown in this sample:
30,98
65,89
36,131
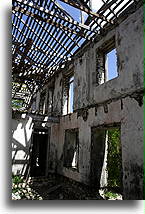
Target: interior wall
116,101
131,140
130,65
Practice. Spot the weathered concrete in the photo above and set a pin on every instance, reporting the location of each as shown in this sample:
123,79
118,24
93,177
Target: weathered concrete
118,101
130,65
125,109
131,138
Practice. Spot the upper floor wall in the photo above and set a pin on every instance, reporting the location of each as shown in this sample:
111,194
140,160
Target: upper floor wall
89,65
129,48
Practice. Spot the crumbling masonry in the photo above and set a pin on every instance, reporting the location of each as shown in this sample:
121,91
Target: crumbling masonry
65,116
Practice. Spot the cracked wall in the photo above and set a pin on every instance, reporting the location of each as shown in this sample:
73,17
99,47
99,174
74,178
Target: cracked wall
116,101
119,100
130,65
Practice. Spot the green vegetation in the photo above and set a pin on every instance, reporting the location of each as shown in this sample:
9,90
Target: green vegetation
17,104
111,195
114,166
21,190
16,179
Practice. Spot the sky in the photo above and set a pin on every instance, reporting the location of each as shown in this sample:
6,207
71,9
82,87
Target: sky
111,56
112,64
6,206
96,5
75,13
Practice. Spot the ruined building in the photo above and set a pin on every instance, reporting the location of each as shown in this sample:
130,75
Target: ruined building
77,84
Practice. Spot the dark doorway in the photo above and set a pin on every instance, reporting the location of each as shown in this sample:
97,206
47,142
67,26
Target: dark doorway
97,155
106,157
40,149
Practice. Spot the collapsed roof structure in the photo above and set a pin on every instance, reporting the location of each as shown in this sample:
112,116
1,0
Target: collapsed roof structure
45,36
77,95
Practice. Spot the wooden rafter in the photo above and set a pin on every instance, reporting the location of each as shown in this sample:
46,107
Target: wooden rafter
52,15
45,36
86,10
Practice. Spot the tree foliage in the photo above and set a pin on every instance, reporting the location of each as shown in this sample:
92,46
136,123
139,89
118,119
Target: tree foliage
17,104
114,164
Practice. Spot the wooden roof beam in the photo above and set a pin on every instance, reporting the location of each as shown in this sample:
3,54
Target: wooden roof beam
86,10
52,22
51,13
45,43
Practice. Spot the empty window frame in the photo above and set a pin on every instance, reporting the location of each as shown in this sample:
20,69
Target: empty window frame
68,94
42,104
50,100
106,62
71,149
33,106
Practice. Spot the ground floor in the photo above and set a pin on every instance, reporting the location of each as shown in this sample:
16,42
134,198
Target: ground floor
100,147
56,187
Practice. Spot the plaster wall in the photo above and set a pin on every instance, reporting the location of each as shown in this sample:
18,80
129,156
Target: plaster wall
129,46
131,140
116,101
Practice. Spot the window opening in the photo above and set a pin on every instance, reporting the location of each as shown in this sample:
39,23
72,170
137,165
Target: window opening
50,100
42,103
111,65
33,107
71,149
71,94
68,94
106,63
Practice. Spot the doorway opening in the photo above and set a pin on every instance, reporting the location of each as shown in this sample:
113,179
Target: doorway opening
106,159
39,155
